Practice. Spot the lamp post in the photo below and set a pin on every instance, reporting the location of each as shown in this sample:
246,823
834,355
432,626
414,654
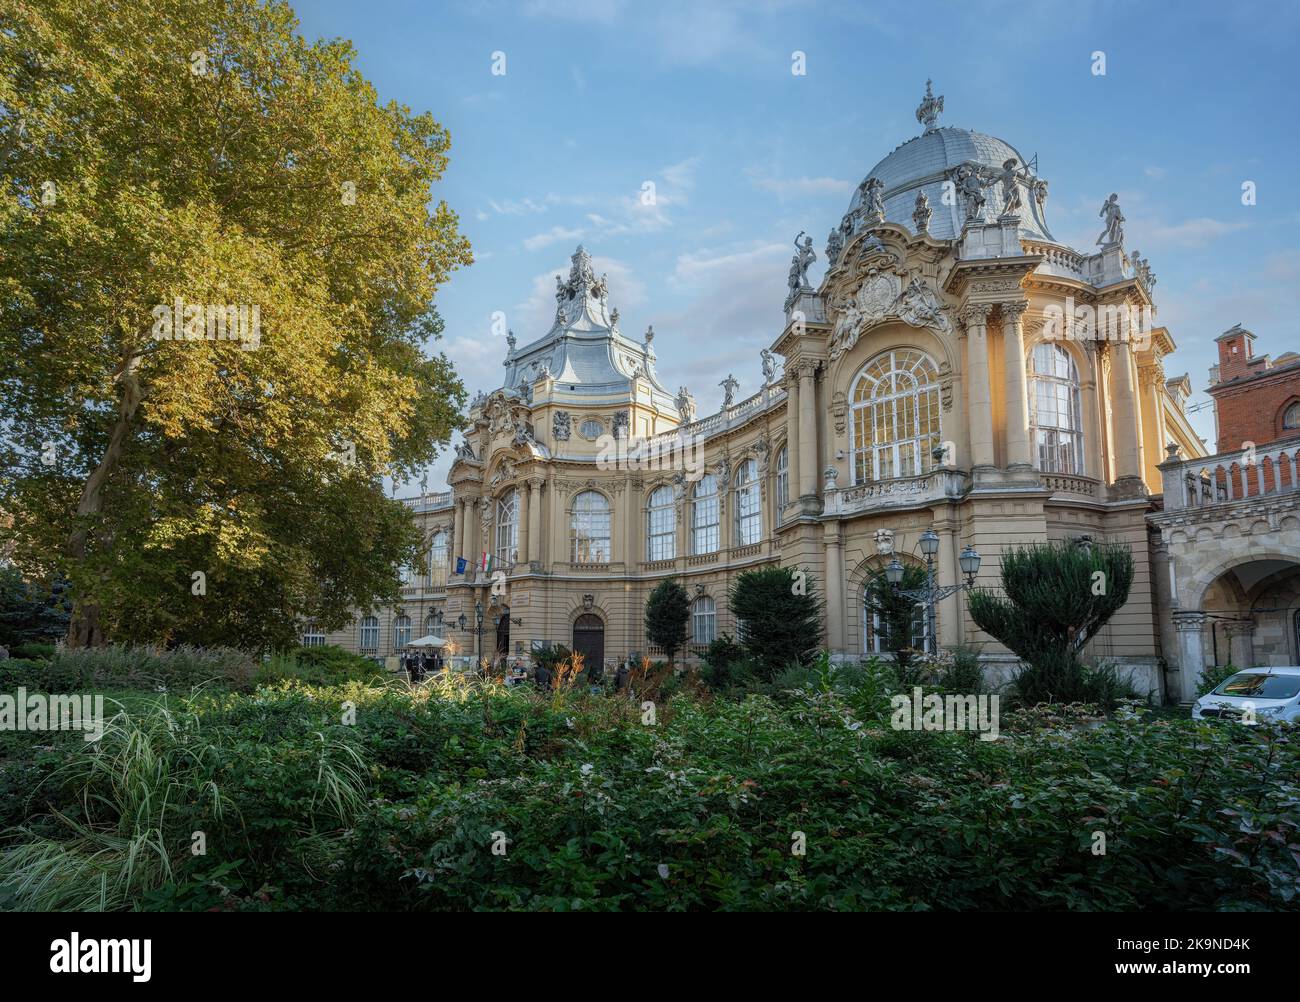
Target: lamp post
461,622
932,594
478,621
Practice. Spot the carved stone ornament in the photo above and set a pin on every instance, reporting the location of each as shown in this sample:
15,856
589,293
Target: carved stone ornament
560,426
840,411
884,541
881,296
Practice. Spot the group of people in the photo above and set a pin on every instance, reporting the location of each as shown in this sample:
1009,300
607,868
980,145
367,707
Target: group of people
418,664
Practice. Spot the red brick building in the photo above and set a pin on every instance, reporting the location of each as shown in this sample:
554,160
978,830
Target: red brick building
1256,399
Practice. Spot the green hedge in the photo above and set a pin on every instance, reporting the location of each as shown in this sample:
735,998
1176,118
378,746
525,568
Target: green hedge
144,668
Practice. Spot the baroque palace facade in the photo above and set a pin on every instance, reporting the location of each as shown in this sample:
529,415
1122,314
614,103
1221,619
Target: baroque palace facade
956,369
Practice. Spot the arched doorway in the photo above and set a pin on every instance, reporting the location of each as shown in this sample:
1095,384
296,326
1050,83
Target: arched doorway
503,633
589,639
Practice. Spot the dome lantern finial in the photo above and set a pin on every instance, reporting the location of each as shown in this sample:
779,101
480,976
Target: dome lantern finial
929,110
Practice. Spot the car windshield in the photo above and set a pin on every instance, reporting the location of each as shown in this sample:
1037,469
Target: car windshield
1258,685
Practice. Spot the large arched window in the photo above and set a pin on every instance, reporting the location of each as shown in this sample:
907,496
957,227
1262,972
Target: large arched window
705,520
704,621
747,509
590,526
782,481
507,550
1291,417
438,560
895,416
401,631
1055,421
369,639
661,525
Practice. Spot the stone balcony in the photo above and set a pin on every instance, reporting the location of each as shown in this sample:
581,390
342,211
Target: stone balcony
904,492
1231,478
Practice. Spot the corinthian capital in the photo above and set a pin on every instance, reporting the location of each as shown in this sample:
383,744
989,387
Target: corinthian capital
975,314
1014,309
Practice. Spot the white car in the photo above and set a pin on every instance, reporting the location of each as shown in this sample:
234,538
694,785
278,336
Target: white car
1253,695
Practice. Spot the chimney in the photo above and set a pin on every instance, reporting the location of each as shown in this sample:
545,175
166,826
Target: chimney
1236,347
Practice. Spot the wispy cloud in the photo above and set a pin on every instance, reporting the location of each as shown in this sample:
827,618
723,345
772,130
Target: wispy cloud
795,187
1191,232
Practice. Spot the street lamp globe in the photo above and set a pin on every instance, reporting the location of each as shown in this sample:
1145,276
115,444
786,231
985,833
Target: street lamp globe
970,561
929,542
461,621
894,572
478,613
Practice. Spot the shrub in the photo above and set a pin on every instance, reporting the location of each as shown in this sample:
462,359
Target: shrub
666,612
780,616
324,665
32,651
1056,597
1212,676
147,668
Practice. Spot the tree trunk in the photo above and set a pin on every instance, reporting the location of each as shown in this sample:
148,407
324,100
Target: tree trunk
84,629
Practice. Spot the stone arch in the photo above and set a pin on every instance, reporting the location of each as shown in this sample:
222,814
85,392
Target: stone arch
1192,587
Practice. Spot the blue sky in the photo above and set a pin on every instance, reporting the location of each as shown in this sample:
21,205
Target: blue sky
601,96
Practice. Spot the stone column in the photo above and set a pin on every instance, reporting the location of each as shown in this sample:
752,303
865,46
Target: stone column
534,520
1190,627
1151,378
1241,643
792,430
807,430
458,530
473,542
1094,455
834,589
1013,348
524,539
1124,411
948,612
978,391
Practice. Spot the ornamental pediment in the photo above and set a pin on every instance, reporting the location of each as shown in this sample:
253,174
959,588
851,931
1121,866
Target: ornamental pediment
882,296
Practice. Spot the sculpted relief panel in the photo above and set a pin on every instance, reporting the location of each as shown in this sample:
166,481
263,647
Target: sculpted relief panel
881,297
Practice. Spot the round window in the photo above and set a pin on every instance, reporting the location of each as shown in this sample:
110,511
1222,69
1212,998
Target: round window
591,428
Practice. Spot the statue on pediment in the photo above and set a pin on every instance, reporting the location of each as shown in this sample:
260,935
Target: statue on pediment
685,405
1114,220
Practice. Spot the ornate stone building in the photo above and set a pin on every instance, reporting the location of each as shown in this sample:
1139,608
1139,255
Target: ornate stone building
957,369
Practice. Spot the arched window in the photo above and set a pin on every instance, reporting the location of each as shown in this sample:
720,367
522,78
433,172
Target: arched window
661,525
313,635
875,639
438,560
590,527
705,521
782,481
369,640
704,620
1055,420
1291,417
895,416
748,510
433,623
401,631
507,551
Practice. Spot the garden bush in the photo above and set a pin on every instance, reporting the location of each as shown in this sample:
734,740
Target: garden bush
323,665
400,808
1212,676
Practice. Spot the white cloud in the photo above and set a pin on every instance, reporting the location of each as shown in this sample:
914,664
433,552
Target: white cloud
787,187
1191,232
555,234
1155,172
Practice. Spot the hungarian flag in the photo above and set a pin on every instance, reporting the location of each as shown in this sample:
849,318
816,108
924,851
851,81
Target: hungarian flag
486,562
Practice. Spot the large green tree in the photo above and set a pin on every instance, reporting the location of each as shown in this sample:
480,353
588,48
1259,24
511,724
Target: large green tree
779,616
666,613
203,151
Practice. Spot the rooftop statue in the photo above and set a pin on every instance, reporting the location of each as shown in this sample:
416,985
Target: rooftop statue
872,203
1114,231
685,405
922,213
769,366
729,387
803,258
1010,178
971,187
